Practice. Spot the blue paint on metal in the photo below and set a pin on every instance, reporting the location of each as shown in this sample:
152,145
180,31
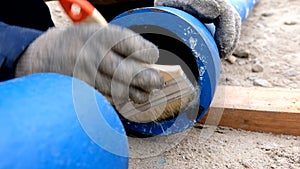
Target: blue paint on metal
243,7
185,27
194,35
40,128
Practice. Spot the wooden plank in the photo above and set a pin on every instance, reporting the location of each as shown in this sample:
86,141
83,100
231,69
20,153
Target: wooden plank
271,110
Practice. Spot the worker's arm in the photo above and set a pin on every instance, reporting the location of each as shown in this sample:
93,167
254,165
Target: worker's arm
13,41
20,23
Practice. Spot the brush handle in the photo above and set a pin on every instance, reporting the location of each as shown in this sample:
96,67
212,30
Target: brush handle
86,12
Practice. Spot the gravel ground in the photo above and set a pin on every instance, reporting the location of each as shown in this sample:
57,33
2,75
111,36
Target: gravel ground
268,55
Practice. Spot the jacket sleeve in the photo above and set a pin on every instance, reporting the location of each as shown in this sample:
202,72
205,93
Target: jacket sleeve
13,42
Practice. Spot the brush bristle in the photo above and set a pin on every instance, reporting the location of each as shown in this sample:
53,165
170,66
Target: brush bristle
177,95
166,111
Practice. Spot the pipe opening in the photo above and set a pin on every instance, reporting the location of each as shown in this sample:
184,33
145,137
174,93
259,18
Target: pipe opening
173,51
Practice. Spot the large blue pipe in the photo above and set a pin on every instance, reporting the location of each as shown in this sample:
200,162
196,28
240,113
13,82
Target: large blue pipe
52,121
181,26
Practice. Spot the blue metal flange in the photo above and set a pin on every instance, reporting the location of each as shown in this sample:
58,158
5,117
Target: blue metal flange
186,29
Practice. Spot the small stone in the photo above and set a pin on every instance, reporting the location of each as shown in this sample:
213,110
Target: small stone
267,14
241,53
278,84
286,81
242,62
231,81
231,59
290,23
262,83
251,78
291,73
161,163
259,25
257,68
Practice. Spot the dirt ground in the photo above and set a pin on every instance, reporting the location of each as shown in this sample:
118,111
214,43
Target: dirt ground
268,55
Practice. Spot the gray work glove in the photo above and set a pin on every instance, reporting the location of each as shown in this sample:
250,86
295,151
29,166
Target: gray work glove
219,12
98,56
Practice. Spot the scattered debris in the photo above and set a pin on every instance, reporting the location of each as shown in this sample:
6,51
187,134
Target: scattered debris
242,61
291,72
160,163
290,23
262,83
257,68
267,14
251,78
241,53
231,59
232,81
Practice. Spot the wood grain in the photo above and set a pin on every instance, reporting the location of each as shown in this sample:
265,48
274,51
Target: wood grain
271,110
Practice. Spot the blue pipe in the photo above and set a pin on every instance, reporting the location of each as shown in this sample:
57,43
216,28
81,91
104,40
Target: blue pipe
243,7
52,121
197,36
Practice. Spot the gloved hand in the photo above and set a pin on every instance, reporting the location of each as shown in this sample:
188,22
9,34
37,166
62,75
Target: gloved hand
100,56
219,12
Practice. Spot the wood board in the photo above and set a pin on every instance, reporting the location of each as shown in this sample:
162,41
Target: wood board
270,110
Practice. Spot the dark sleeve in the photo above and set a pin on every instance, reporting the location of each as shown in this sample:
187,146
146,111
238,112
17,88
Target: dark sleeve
21,22
13,42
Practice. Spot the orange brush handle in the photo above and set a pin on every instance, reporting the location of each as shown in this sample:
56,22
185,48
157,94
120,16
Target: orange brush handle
86,9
